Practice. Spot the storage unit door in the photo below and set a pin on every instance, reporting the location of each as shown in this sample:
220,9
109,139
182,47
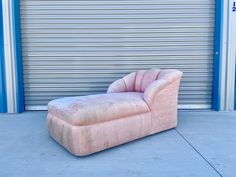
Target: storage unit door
78,47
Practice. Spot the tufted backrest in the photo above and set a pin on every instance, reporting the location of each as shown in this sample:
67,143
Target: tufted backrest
138,81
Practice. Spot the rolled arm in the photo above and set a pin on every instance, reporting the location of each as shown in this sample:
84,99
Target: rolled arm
170,75
152,89
167,77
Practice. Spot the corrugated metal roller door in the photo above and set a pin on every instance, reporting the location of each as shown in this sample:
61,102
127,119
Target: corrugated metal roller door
79,47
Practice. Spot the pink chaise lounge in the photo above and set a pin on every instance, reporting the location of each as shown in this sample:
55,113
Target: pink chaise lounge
140,104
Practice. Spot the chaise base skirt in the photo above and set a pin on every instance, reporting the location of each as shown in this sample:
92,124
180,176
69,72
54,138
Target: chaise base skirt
88,139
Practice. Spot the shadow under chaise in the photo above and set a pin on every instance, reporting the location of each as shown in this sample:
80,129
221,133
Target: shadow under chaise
140,104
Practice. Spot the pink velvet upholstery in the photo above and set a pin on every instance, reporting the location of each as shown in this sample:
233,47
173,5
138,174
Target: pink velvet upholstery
86,110
139,104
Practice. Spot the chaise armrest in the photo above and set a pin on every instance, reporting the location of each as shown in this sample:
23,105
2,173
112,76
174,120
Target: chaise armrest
166,77
152,89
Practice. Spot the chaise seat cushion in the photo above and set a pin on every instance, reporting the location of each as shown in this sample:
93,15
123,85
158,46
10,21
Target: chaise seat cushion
92,109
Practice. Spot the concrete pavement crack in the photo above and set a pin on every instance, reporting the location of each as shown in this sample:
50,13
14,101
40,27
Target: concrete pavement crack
182,136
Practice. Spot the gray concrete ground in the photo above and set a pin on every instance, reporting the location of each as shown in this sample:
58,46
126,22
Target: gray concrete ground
203,145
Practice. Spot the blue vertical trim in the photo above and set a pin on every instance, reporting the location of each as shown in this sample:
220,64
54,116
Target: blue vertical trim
217,54
18,55
3,105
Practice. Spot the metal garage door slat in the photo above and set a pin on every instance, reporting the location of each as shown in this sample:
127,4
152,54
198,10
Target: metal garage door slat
79,47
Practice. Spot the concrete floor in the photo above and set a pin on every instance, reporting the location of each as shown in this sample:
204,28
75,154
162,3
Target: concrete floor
203,145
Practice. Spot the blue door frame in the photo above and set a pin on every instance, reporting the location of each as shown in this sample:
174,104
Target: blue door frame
3,105
20,105
217,55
